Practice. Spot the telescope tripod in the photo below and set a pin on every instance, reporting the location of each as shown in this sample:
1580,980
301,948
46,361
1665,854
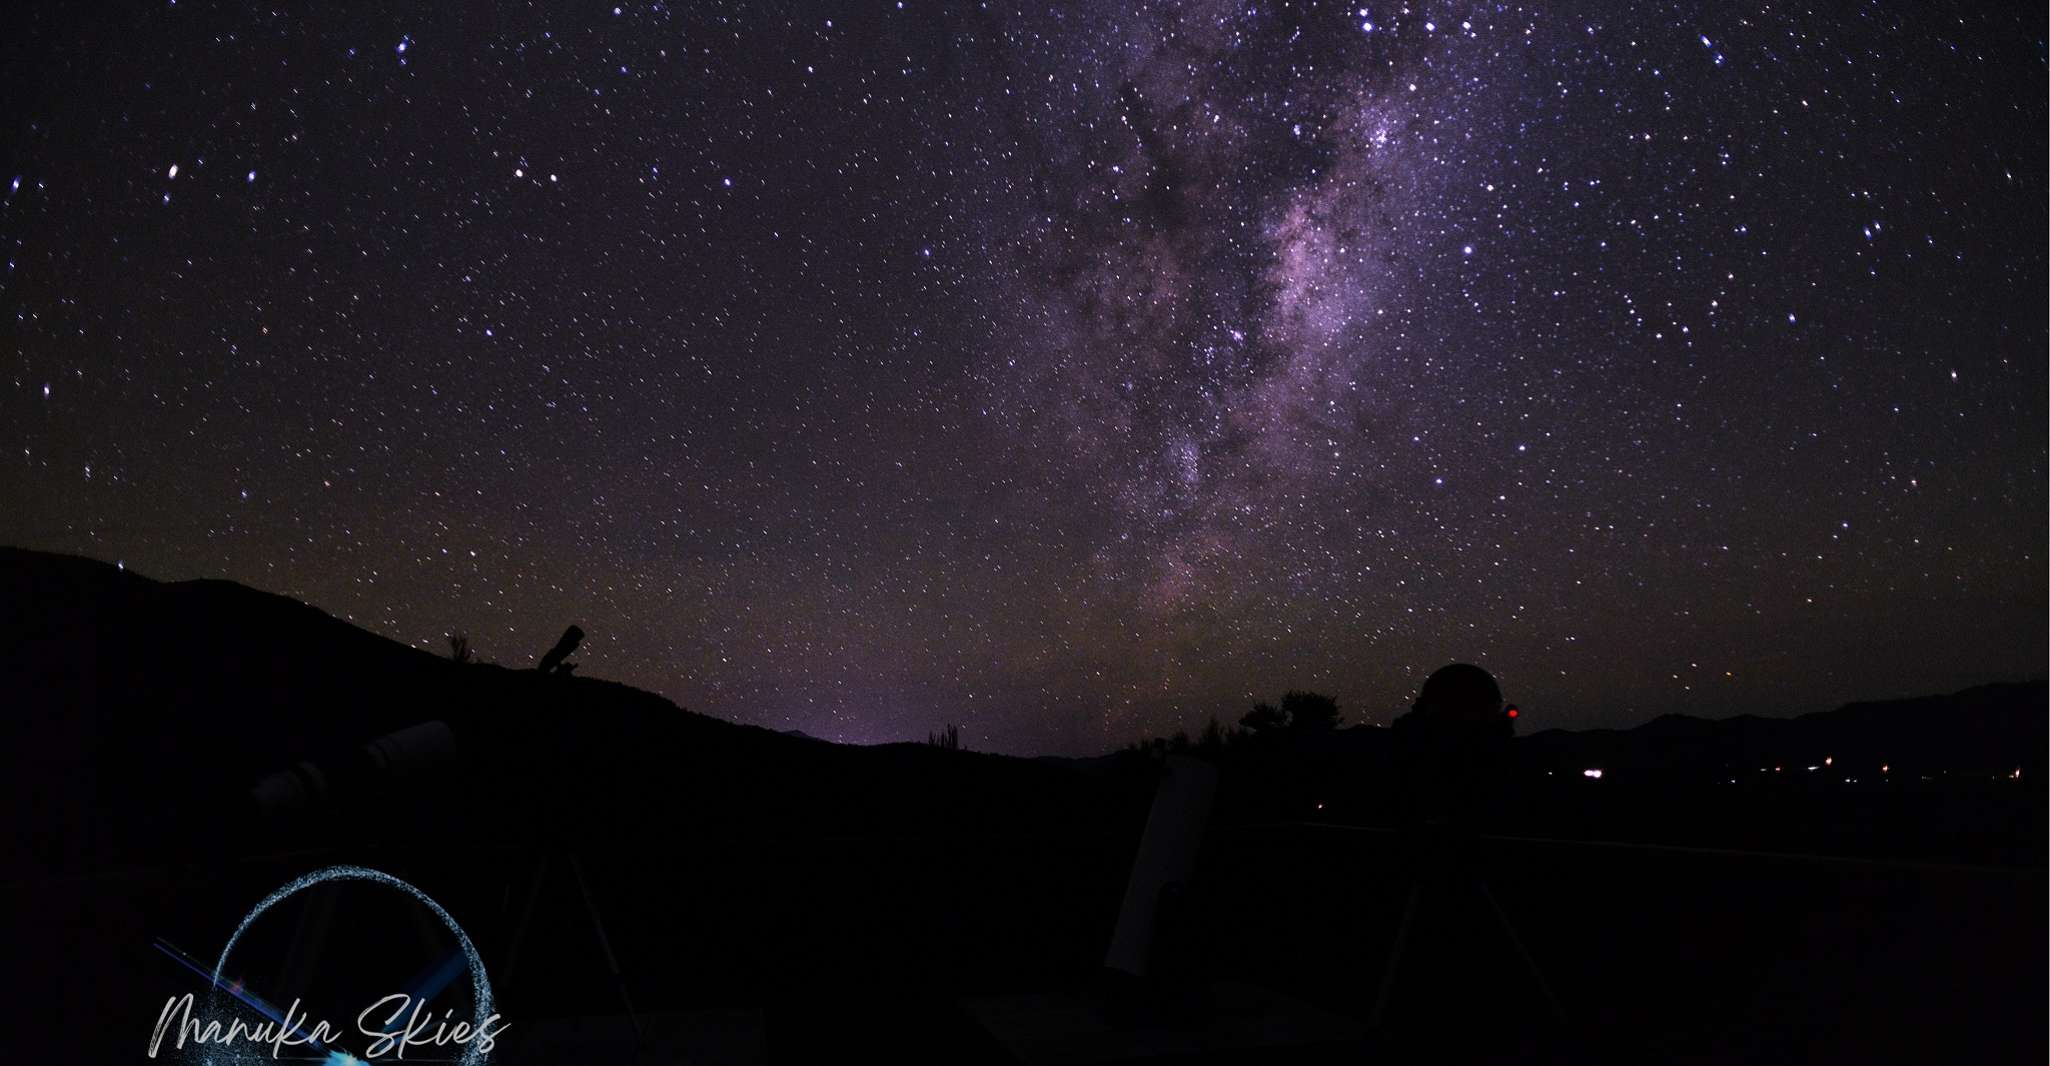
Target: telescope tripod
1445,867
542,862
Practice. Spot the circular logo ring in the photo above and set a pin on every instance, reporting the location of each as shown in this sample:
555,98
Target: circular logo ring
480,986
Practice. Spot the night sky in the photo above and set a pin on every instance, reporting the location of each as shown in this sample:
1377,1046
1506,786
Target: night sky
1068,373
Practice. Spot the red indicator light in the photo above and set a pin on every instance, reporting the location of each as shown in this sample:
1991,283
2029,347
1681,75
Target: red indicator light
1512,710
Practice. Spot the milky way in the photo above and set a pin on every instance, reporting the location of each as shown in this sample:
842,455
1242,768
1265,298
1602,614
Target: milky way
1068,373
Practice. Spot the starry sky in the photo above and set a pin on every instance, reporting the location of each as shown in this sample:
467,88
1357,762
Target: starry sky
1067,372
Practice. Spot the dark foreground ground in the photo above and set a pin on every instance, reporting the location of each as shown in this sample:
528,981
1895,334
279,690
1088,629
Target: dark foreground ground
820,949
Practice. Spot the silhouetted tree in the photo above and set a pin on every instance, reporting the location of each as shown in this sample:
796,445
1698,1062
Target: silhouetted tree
1180,743
1310,712
1264,717
947,740
1212,742
459,647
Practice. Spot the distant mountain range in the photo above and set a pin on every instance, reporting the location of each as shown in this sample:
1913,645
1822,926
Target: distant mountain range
145,716
1990,729
1983,732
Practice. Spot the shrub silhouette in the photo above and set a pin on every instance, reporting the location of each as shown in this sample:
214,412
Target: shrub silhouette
1310,712
1300,712
1263,718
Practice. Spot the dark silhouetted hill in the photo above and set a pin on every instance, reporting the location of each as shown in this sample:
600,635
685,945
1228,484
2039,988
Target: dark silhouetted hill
142,714
1987,730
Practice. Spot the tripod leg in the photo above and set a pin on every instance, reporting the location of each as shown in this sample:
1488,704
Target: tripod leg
1529,963
576,866
1409,909
519,938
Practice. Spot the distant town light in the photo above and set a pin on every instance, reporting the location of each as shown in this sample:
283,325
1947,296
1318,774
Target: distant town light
1596,774
1829,760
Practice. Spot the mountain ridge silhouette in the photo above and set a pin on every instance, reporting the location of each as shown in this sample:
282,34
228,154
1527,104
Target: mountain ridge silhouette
141,708
140,705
